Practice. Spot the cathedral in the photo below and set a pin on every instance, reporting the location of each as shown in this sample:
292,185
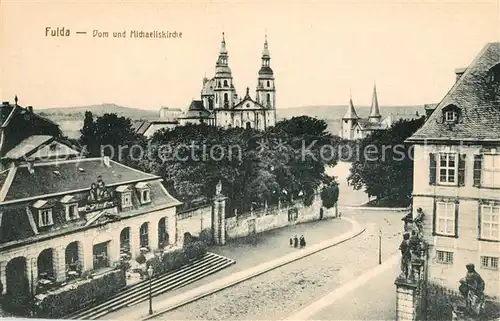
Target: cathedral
221,106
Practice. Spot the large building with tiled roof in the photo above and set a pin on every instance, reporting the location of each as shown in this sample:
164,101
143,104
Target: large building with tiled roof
220,104
62,214
457,175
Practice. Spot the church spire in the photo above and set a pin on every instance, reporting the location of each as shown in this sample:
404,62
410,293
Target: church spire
223,50
374,112
351,112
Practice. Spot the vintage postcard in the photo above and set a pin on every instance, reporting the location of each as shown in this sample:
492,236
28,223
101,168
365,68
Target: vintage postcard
250,160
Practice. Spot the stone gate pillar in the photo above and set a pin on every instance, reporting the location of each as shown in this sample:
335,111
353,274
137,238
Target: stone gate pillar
406,300
219,217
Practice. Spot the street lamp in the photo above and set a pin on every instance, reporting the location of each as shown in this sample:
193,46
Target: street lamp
150,274
379,246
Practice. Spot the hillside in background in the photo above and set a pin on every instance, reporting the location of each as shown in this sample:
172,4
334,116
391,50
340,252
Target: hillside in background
98,110
70,119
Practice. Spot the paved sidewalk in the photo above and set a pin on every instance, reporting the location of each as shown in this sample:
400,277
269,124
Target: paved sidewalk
266,261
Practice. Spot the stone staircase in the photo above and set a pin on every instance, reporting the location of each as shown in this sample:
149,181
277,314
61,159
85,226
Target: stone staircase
194,271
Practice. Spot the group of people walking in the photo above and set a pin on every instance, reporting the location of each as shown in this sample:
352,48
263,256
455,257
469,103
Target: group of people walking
296,242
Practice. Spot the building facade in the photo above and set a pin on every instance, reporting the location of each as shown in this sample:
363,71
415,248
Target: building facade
220,104
62,215
457,175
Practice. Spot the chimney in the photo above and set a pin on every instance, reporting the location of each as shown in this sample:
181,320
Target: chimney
459,72
106,161
30,109
5,103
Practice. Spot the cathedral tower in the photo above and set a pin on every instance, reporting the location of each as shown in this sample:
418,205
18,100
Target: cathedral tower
225,93
349,121
266,92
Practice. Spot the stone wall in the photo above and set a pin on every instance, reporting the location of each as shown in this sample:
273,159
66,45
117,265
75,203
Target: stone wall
193,221
274,217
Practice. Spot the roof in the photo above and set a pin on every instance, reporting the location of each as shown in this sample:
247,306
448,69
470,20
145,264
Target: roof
196,110
28,145
374,112
365,124
477,100
170,108
141,126
72,175
350,113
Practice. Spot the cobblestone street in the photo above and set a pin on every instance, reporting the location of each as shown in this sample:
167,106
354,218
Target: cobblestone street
278,293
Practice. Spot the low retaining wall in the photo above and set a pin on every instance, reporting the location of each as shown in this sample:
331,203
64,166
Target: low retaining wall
272,218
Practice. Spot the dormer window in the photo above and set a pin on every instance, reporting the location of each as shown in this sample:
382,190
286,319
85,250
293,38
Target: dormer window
44,213
494,74
71,207
144,190
125,196
451,114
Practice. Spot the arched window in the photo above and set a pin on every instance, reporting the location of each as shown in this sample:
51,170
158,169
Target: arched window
268,99
226,100
225,83
268,84
218,84
210,103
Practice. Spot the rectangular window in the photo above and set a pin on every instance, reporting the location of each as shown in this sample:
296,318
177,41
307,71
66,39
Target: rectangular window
451,116
71,211
145,196
444,257
445,218
126,199
448,169
491,171
489,262
490,222
45,217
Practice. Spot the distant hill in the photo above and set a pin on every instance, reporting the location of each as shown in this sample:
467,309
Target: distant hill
70,113
70,119
333,114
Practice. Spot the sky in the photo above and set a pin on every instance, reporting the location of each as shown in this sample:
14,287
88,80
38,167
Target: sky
320,51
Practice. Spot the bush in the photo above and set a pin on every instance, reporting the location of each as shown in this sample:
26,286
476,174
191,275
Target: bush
175,259
76,296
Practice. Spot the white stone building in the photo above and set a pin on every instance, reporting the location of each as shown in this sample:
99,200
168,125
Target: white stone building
457,175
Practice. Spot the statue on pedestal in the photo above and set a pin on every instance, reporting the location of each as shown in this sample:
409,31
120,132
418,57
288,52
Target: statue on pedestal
218,189
404,247
418,223
472,288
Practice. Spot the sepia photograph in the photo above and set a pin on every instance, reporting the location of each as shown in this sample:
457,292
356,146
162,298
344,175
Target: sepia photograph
250,160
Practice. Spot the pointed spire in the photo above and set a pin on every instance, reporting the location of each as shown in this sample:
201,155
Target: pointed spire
265,52
374,112
351,112
223,49
15,100
248,93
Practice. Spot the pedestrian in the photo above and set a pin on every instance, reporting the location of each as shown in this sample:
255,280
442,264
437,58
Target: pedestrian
291,241
340,214
295,241
302,241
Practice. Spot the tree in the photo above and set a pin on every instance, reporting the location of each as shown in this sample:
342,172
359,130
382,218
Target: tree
384,166
330,194
113,136
256,168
